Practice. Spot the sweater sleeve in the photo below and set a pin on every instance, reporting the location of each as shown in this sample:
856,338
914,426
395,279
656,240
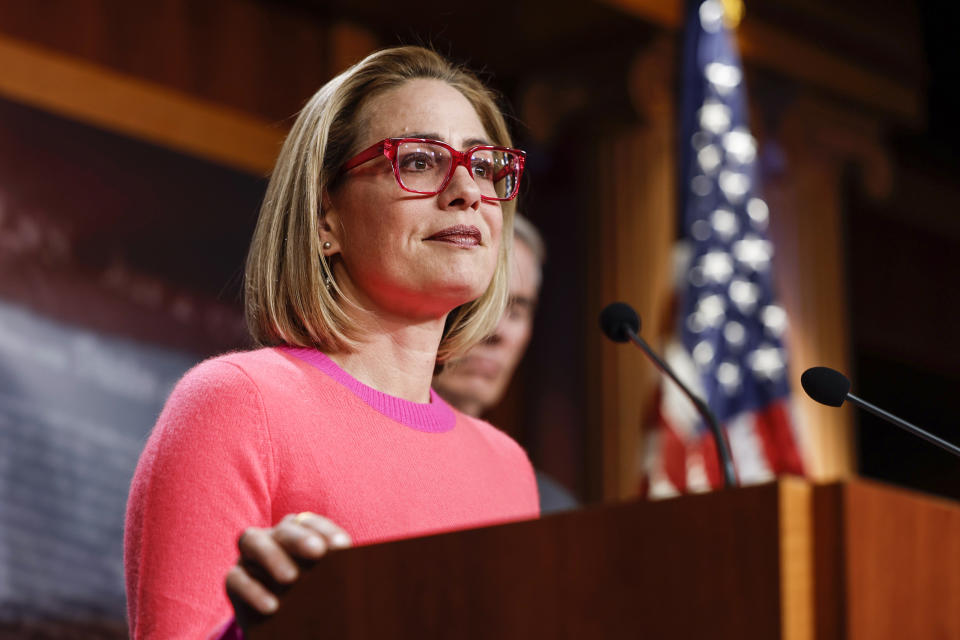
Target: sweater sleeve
204,476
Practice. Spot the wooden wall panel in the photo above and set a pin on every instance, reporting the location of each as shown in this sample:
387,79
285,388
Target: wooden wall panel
820,142
636,213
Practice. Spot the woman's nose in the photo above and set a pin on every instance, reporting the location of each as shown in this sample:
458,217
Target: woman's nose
462,192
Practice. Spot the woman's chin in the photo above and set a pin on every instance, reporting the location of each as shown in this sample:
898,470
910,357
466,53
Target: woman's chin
444,297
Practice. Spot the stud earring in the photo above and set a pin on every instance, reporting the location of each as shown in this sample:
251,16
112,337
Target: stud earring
327,245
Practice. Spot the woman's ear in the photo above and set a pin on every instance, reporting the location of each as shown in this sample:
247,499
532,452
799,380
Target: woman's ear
328,226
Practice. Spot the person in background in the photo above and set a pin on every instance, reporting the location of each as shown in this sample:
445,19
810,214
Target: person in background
476,382
382,248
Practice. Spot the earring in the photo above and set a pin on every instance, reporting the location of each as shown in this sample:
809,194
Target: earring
327,282
326,245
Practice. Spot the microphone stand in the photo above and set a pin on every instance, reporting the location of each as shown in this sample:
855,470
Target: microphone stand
726,460
903,424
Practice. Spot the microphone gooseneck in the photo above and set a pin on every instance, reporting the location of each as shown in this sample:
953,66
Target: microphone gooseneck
621,323
830,387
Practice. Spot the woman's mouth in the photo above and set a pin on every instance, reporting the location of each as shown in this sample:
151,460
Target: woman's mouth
461,235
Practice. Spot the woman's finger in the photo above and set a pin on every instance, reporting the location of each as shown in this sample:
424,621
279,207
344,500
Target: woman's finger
299,540
241,587
258,547
335,536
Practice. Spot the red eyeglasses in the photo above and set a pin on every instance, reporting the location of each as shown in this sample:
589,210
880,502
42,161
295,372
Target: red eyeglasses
426,166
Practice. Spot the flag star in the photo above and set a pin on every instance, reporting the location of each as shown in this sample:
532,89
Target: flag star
701,185
701,230
712,310
703,353
724,77
695,323
717,266
767,362
696,277
725,223
715,116
774,318
709,158
711,16
759,213
745,295
700,139
728,375
734,185
753,251
734,333
740,145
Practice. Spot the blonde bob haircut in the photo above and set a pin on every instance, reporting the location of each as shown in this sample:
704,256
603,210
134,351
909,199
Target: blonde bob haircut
288,301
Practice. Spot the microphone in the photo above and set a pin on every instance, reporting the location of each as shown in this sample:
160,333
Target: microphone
831,388
616,318
621,323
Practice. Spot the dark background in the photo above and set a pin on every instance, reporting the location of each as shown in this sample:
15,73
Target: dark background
904,280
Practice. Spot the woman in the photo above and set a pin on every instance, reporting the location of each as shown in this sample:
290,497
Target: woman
381,249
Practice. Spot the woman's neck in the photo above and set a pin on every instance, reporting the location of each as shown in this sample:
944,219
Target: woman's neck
396,357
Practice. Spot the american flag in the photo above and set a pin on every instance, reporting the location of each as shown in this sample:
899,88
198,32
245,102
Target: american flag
728,343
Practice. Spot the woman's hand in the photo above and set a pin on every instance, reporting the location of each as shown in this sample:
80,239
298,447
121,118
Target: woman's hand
271,559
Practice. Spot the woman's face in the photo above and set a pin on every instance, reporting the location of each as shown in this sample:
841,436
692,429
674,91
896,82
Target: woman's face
397,255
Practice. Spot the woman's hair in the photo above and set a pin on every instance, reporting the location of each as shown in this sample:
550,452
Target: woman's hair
287,297
525,232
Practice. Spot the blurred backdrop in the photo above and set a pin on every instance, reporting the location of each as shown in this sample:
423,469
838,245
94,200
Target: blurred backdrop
135,141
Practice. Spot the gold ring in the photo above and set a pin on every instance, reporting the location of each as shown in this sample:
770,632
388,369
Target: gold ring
300,517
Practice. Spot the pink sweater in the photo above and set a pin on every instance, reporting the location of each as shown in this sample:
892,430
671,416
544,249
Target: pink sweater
247,438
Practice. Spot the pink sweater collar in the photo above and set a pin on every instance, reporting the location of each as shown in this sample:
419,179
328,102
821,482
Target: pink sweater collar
434,417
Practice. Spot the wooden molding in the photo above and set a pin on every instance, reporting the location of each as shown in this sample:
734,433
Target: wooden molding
771,48
666,13
104,98
796,559
762,45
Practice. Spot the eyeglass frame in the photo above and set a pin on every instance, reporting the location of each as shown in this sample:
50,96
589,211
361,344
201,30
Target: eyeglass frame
388,147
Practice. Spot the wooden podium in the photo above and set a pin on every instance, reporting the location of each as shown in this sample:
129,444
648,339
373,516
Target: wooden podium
783,560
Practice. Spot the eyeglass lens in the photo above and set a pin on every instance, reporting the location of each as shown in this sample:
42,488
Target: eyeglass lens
424,167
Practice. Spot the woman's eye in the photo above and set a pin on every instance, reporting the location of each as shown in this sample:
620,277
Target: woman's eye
417,162
482,168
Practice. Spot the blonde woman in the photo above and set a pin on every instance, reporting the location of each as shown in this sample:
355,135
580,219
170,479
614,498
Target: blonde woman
381,249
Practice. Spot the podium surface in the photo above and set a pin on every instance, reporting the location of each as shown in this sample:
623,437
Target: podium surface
783,560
